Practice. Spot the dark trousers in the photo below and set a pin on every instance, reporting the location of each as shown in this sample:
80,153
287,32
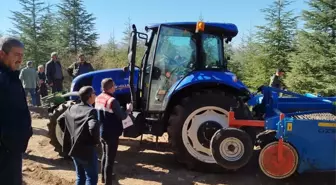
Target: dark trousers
57,86
10,168
43,90
87,171
110,148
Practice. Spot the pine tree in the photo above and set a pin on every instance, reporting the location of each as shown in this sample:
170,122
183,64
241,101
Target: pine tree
126,39
277,34
49,33
249,61
78,28
127,32
112,44
314,65
27,26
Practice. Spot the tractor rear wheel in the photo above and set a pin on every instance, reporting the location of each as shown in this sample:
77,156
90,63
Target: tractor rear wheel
194,121
55,131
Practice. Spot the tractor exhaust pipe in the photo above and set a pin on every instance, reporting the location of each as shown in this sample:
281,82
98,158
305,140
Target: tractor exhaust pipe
131,62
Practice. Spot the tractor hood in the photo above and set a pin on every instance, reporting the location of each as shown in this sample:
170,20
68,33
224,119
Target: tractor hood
94,78
218,77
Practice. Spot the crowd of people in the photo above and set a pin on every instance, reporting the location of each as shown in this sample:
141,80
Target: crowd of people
86,126
37,83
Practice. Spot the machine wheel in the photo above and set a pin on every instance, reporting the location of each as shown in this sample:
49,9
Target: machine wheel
275,169
55,131
231,148
194,121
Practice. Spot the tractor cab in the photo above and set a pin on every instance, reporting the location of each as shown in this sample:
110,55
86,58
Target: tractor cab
174,51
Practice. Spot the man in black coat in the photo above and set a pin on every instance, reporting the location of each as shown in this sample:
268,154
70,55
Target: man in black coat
81,136
54,73
79,67
15,120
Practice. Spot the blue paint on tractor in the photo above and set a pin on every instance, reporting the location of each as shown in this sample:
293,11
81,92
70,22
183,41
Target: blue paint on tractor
94,78
197,77
314,140
292,104
227,29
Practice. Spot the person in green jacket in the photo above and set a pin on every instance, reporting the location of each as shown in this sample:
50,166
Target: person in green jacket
29,78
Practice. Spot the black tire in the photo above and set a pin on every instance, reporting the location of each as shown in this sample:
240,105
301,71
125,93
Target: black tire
266,137
55,130
246,146
181,112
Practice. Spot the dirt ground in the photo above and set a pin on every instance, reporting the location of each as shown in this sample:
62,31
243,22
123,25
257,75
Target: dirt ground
145,164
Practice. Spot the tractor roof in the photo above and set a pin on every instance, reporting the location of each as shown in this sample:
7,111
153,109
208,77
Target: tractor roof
228,29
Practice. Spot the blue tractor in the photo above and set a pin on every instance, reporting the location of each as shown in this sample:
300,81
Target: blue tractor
182,87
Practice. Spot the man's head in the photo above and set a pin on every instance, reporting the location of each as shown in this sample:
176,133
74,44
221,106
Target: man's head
108,85
280,72
81,57
54,56
29,64
87,95
40,68
11,52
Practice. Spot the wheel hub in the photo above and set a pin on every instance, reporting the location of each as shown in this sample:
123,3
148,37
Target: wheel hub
231,149
198,129
206,131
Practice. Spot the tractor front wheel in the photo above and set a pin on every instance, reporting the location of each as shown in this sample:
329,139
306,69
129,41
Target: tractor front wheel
195,120
55,131
232,148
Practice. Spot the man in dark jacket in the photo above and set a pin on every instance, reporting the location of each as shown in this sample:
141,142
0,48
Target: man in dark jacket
111,116
81,136
15,120
54,74
276,79
80,67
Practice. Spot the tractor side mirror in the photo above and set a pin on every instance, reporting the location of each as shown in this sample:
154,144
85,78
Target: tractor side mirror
156,73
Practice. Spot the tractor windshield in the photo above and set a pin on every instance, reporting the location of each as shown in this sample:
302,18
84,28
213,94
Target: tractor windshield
176,51
174,54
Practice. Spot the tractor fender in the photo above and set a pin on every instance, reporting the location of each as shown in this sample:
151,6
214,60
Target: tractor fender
218,78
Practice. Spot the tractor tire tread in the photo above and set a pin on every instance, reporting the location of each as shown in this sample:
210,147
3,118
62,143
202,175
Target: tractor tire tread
181,111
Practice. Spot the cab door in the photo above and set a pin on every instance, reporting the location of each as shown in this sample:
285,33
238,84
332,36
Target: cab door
169,60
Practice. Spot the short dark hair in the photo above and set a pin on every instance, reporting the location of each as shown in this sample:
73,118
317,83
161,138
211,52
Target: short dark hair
106,84
280,70
7,43
85,93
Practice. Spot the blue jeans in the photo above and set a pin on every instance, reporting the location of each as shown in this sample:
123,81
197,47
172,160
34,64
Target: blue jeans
87,171
32,93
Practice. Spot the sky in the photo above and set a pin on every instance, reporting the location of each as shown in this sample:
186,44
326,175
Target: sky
111,15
